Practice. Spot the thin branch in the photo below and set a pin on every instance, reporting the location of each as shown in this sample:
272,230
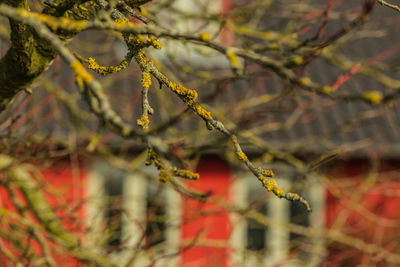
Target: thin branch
392,6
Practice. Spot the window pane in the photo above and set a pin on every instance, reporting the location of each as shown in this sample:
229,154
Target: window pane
113,211
256,232
299,216
156,215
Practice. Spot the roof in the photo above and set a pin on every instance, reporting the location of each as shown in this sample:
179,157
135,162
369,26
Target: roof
302,121
265,111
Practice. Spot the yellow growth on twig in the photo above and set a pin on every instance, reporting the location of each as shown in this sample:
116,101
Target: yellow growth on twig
182,91
327,89
53,22
267,173
146,79
186,174
166,172
82,76
151,156
242,156
233,60
155,42
143,122
270,185
199,110
305,81
297,60
93,65
204,36
375,97
123,23
164,175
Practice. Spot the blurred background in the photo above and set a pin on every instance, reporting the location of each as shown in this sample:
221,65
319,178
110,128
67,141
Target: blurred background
332,136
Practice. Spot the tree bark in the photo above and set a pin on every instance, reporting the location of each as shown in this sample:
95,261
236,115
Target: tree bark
26,59
29,55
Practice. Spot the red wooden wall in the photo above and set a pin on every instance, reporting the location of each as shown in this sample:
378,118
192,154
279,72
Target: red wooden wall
63,188
365,206
207,221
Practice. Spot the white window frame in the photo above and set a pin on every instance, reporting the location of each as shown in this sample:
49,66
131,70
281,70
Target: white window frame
200,56
134,203
277,243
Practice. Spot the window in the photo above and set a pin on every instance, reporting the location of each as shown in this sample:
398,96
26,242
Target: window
190,19
256,232
298,243
113,211
156,216
135,210
259,244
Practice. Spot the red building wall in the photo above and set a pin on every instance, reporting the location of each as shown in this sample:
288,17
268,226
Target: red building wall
365,205
207,221
64,190
357,204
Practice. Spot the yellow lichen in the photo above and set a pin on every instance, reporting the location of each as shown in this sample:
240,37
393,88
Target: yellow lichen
121,24
375,97
305,81
199,110
172,85
279,192
143,122
270,35
164,175
93,65
146,79
125,131
93,142
152,157
297,60
83,8
155,42
293,196
186,174
142,41
81,74
230,53
182,91
138,40
189,96
270,185
151,154
23,12
242,156
144,11
326,89
141,59
267,173
53,22
233,59
204,36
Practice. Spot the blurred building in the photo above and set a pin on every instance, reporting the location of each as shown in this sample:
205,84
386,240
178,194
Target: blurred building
351,177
